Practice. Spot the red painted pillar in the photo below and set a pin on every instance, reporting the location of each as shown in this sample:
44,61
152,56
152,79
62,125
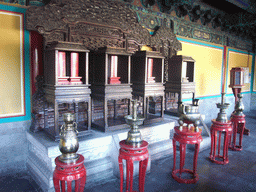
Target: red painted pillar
36,56
151,79
224,69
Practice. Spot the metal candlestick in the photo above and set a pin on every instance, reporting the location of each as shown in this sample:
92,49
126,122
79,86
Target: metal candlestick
134,135
239,107
222,115
68,140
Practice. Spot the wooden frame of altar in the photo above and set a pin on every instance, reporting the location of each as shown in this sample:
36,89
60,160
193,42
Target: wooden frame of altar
148,85
66,86
111,87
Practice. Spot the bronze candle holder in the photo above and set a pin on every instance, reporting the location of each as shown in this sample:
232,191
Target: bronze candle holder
134,135
222,115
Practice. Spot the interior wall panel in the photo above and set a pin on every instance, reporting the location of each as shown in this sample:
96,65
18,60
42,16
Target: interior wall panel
12,101
208,67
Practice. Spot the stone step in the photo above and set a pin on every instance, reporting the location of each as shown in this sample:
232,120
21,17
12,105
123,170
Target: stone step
99,165
100,178
160,149
99,171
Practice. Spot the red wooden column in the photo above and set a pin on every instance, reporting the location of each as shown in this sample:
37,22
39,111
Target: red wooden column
36,57
131,154
61,68
74,78
113,79
150,78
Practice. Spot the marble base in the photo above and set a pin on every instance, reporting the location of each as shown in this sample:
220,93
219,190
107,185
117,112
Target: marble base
100,151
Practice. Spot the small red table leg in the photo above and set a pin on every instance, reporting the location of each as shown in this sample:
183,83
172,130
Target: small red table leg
238,127
130,167
142,174
182,156
174,154
82,183
63,185
131,154
56,183
121,173
197,147
226,129
184,137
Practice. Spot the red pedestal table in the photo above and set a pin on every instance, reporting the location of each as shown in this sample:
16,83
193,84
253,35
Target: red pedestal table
238,123
68,172
225,128
184,137
131,154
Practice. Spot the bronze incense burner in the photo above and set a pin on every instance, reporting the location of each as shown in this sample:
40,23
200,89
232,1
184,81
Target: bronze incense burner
189,113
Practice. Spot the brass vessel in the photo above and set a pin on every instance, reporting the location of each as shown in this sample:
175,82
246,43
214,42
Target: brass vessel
189,112
68,139
134,135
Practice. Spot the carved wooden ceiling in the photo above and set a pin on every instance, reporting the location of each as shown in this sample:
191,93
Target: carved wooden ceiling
97,23
236,17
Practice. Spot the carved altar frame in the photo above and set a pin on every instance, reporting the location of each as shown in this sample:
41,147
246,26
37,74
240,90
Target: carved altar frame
98,23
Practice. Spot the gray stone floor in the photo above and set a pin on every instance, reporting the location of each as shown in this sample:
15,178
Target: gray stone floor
238,175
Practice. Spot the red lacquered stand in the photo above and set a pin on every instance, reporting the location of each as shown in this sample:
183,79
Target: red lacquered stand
238,123
225,128
184,137
131,154
67,172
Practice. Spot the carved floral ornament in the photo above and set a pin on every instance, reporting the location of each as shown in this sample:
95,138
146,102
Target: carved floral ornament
97,23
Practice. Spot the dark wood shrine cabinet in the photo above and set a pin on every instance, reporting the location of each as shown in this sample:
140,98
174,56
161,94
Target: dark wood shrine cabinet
111,87
148,86
69,31
66,74
181,81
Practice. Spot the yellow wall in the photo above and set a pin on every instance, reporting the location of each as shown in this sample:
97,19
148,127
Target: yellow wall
208,67
236,59
11,64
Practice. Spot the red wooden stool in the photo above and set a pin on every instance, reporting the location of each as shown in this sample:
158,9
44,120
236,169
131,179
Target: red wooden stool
238,123
225,128
69,172
184,137
131,154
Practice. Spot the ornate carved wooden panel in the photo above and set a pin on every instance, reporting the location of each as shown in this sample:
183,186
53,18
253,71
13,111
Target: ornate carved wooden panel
97,23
